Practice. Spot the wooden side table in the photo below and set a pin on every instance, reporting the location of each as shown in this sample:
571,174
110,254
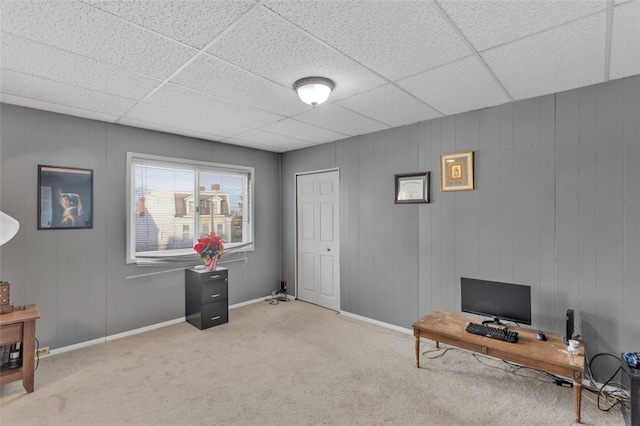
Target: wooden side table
20,326
550,355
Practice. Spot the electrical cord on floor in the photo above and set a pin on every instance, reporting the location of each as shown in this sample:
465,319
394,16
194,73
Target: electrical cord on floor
441,350
612,397
37,354
277,297
550,378
515,369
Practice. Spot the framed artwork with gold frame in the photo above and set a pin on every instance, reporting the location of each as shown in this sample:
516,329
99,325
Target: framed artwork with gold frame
456,171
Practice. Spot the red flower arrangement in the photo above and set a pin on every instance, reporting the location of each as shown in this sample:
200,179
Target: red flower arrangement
209,249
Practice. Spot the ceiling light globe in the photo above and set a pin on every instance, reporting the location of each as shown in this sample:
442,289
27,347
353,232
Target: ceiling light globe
313,90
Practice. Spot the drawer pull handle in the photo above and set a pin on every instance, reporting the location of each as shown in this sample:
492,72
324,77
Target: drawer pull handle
213,277
215,318
215,295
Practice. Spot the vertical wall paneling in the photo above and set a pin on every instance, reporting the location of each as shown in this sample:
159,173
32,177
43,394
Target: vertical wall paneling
568,203
425,224
368,241
405,230
506,192
586,314
436,208
383,281
466,212
526,196
547,316
448,284
610,222
78,277
632,215
556,201
352,236
556,207
40,147
488,186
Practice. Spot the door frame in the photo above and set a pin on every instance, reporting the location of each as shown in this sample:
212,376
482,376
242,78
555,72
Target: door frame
295,224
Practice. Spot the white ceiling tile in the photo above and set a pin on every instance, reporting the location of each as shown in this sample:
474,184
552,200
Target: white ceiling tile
303,131
177,118
398,108
193,22
625,48
165,128
269,46
461,86
490,23
272,142
26,56
395,38
101,59
30,87
340,120
197,103
57,108
215,77
82,29
553,61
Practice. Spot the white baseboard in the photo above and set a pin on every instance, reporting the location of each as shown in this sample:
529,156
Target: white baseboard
376,322
74,347
139,330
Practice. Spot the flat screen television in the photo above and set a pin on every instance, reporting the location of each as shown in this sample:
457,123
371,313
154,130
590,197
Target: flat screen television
500,301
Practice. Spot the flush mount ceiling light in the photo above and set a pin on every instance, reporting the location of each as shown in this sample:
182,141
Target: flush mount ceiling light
313,90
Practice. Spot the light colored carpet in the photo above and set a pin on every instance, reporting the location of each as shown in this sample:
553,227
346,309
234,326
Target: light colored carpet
287,364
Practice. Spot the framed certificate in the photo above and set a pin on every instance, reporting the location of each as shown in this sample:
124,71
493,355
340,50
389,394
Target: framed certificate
412,188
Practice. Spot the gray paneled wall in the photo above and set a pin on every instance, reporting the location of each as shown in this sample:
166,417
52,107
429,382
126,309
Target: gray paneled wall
78,277
557,207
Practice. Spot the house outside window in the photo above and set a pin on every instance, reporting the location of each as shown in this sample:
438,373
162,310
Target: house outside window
170,189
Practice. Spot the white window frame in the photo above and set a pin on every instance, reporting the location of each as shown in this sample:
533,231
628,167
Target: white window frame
132,209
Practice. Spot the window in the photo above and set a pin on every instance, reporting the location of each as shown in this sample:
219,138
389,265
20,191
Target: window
162,197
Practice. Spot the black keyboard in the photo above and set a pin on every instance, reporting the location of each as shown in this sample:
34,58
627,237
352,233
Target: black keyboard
493,332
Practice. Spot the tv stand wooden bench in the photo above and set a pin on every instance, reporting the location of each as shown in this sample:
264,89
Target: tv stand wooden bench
550,355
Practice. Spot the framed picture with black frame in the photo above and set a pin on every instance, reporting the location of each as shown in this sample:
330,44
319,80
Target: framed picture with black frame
65,198
412,188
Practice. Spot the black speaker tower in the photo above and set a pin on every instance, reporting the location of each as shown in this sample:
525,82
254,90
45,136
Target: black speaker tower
630,379
569,331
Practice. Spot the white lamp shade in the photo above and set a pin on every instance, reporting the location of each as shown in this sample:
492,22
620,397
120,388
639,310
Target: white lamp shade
8,227
314,90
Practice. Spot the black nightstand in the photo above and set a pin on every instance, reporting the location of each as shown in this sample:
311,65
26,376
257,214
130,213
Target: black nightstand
207,297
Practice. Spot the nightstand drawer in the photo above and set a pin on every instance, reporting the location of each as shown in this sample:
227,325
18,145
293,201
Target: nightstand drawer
213,291
215,313
10,333
213,276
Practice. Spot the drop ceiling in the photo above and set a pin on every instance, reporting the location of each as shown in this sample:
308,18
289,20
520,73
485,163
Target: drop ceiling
223,70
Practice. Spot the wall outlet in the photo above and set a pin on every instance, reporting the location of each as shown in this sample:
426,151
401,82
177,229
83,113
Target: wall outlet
43,351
